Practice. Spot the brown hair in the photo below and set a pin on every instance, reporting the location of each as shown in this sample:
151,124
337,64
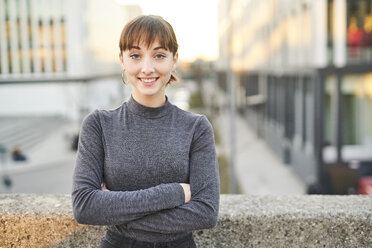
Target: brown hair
149,28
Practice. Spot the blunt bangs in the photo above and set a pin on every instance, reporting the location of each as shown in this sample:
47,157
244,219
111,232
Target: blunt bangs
146,30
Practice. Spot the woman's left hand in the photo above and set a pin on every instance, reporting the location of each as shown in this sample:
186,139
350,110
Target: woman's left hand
103,187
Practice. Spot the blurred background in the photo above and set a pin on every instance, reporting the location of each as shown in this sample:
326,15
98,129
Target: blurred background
286,84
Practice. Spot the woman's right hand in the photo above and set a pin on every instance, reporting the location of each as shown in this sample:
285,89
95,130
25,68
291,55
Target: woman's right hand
187,191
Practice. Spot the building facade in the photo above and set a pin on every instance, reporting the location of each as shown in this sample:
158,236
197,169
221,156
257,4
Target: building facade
303,77
57,37
33,37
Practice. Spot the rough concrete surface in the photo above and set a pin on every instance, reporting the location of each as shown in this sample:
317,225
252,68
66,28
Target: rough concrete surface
35,220
244,221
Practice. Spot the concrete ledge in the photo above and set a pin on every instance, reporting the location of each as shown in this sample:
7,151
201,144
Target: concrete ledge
244,221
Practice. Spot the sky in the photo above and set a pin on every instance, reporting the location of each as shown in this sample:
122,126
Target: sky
195,23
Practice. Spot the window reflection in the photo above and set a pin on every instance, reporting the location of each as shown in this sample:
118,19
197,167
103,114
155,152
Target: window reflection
359,31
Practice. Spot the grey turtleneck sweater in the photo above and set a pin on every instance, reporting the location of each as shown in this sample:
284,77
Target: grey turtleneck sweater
142,154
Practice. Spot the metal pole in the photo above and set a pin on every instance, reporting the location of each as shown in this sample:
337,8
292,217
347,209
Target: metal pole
231,94
339,125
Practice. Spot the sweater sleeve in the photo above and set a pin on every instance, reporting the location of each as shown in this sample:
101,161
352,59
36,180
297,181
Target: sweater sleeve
202,211
93,206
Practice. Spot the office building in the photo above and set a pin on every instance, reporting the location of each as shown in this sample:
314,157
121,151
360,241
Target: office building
303,77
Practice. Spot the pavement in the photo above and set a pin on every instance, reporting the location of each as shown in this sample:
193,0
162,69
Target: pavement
48,169
259,171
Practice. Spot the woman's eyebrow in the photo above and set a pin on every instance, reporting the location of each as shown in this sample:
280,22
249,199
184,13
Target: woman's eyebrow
156,48
160,48
135,47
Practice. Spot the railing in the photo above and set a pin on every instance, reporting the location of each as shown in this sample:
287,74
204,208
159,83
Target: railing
56,79
244,221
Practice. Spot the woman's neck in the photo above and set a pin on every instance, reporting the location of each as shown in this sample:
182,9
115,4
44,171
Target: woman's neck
150,101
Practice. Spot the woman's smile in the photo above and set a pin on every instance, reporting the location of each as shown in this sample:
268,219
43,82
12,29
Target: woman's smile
148,81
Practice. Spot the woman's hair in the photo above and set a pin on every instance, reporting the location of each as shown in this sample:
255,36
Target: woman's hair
147,29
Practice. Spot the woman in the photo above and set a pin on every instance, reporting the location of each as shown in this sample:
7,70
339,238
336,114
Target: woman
156,162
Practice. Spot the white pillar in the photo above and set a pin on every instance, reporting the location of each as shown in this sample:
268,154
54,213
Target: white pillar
319,38
14,37
24,36
75,31
3,41
35,34
301,48
46,17
339,35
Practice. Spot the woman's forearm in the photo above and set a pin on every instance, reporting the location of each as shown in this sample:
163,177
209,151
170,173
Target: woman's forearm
200,213
98,207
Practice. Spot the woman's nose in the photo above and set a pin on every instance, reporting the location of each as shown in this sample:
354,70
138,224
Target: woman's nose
147,66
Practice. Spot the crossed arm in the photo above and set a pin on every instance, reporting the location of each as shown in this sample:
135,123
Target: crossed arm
165,208
185,186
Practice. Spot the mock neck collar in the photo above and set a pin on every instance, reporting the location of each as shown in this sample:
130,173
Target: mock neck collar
148,112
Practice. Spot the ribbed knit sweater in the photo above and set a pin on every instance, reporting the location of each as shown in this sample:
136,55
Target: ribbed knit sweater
142,154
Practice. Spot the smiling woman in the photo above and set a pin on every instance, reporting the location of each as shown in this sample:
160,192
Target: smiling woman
148,58
148,70
147,169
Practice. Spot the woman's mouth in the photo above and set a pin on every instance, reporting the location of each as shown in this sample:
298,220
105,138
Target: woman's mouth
149,81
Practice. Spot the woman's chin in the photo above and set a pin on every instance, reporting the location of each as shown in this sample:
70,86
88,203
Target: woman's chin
148,92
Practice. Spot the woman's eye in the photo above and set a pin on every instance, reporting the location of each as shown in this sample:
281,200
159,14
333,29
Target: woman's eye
134,56
160,56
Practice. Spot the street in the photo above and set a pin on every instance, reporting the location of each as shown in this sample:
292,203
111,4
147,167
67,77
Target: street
49,179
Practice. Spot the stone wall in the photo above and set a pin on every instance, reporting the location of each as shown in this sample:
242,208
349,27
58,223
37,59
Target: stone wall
244,221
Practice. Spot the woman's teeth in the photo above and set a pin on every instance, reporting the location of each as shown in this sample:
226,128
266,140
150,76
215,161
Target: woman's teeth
148,80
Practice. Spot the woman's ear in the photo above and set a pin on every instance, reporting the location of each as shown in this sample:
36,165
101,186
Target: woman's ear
121,60
175,60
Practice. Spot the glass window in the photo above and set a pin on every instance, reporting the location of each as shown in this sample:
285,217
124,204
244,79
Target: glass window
356,119
357,106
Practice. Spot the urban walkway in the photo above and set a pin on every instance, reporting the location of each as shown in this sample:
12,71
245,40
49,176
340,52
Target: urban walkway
49,165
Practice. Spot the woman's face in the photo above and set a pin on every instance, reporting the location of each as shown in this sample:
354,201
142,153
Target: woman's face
148,70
